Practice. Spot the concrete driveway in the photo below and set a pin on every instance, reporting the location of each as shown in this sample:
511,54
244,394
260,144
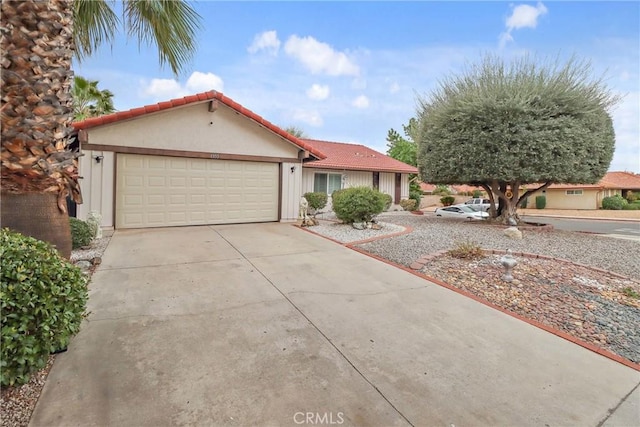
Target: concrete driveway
270,325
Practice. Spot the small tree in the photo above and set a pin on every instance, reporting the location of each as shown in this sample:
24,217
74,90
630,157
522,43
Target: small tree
500,126
296,131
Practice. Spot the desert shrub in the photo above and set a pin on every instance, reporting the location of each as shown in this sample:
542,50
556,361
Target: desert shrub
408,204
476,194
541,202
615,203
466,250
388,200
441,190
43,299
357,204
317,201
447,200
81,233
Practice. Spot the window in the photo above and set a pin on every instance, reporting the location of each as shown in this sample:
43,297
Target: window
327,182
574,192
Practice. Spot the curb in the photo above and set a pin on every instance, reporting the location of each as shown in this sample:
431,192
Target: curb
584,218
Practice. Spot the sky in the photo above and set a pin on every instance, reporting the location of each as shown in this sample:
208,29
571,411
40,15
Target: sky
350,71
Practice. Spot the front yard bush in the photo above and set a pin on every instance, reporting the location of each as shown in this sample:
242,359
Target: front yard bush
417,196
632,197
357,204
388,200
541,202
408,204
43,301
447,200
631,206
81,233
317,201
615,203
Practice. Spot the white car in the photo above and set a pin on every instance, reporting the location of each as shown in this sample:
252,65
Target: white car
462,212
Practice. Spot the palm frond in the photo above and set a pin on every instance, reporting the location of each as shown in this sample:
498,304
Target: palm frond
95,23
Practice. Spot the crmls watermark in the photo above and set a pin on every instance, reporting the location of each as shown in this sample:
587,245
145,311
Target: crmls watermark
318,418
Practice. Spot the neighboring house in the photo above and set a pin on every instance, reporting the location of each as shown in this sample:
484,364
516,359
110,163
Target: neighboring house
201,159
587,196
354,165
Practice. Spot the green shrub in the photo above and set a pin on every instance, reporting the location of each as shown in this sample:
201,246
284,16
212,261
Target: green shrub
317,201
476,194
631,207
615,203
388,200
447,200
417,196
541,202
43,301
631,196
408,204
357,204
81,233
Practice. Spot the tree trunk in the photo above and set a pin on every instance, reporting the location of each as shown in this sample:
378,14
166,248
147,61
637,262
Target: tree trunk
37,44
44,220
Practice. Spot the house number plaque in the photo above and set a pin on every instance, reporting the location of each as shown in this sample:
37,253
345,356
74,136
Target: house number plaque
215,155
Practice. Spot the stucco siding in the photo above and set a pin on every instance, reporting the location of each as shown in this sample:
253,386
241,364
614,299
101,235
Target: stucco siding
194,128
558,199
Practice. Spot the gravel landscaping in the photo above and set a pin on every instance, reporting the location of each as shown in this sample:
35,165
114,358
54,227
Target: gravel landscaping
598,308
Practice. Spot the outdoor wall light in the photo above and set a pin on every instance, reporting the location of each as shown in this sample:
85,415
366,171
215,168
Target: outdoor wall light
99,158
293,169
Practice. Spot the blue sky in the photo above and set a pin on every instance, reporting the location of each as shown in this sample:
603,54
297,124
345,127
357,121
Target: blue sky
350,71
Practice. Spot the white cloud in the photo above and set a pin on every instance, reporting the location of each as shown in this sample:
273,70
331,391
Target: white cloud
309,117
164,89
625,122
522,16
394,88
361,102
267,41
320,58
202,82
318,92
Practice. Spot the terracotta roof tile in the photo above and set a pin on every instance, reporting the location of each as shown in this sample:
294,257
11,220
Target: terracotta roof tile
355,157
612,180
200,97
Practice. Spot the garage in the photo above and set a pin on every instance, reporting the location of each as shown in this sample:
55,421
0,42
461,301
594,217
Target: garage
162,191
198,160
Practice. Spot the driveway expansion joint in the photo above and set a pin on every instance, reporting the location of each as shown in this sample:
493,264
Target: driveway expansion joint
614,409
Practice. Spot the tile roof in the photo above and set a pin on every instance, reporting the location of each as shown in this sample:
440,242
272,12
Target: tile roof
621,180
612,180
192,99
344,156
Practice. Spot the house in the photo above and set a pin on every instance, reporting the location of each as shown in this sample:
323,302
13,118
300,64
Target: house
587,196
205,159
354,165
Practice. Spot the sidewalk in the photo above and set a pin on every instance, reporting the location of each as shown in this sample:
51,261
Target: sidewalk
603,215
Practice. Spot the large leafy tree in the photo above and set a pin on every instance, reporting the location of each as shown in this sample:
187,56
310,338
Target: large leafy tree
89,100
403,148
38,40
502,125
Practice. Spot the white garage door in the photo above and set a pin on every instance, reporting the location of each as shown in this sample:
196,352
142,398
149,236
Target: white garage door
160,191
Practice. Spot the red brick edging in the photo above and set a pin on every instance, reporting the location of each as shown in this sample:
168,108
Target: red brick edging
413,269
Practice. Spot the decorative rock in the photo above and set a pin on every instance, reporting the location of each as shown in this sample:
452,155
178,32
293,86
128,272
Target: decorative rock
96,260
376,226
512,233
359,225
84,265
512,222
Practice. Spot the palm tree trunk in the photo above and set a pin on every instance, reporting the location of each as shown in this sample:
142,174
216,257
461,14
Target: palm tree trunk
36,39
